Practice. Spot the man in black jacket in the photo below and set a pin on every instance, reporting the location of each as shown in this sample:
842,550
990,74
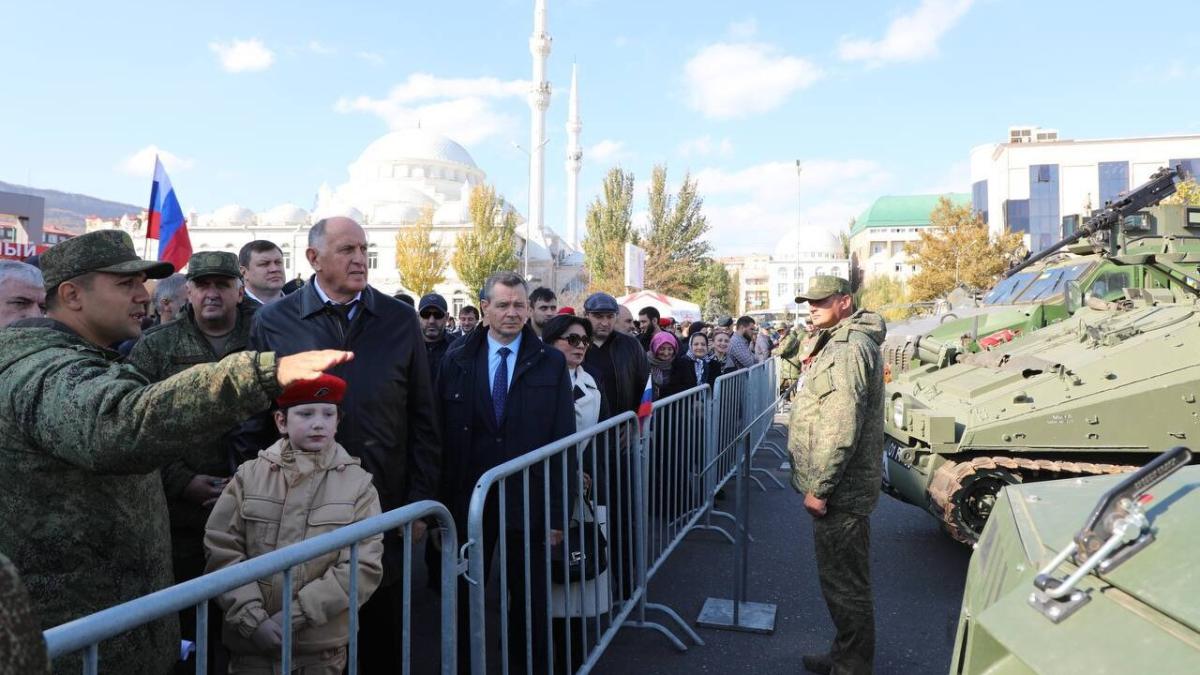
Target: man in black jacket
616,360
388,408
433,312
502,393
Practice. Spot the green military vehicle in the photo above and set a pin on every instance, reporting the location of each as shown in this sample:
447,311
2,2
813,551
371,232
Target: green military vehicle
1099,393
1119,597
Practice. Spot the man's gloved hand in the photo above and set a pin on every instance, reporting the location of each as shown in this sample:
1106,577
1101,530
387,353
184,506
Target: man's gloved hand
268,637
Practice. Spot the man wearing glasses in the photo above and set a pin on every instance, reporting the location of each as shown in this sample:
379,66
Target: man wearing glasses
432,310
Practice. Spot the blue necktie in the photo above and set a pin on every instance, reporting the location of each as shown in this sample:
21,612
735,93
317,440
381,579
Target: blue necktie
500,385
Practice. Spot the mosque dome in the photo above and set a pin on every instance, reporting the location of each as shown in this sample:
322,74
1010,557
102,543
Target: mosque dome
233,215
416,146
285,214
337,209
808,242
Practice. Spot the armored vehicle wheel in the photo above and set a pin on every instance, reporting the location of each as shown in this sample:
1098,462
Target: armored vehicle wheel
964,492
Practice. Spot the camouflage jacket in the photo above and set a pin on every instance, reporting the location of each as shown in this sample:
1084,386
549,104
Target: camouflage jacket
22,649
170,349
82,512
788,352
835,435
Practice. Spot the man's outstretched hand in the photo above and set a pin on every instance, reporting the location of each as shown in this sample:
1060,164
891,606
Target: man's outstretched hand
308,365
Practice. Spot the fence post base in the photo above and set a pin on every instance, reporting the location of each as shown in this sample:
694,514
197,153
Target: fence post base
751,617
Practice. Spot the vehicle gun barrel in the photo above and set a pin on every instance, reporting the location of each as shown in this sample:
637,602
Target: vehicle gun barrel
1160,186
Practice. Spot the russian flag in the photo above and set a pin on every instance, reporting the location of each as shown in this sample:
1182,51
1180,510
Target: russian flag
647,404
167,223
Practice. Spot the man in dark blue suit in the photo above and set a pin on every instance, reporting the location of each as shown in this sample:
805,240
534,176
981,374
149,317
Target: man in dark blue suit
502,393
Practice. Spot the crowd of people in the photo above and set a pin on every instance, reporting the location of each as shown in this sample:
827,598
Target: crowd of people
155,437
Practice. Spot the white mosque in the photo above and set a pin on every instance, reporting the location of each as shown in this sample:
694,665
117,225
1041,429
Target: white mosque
393,181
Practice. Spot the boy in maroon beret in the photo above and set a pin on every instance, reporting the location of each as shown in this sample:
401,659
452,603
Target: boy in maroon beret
304,485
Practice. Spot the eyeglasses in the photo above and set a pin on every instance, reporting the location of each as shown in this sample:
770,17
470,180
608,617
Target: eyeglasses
575,340
432,313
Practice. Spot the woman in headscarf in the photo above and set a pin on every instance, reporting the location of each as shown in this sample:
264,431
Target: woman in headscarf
693,367
663,347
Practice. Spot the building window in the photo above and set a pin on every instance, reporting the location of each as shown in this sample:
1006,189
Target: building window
1070,224
1114,179
878,247
782,272
1016,215
8,234
819,272
979,198
287,260
1191,167
782,289
372,260
897,248
798,272
835,271
798,288
1045,224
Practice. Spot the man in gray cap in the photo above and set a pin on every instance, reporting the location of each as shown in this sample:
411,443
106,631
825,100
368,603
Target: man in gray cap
210,327
834,437
82,512
432,311
616,360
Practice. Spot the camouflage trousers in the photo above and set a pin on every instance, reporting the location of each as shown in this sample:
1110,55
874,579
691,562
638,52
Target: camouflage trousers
843,566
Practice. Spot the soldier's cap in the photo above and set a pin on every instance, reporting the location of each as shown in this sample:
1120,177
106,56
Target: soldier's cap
599,303
432,300
100,251
823,286
213,264
325,389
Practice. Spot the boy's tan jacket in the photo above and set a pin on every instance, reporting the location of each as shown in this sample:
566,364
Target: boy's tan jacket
283,497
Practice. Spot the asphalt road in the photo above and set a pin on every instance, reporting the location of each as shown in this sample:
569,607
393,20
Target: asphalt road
917,575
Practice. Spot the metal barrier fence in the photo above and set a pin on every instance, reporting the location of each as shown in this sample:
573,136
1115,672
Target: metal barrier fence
86,634
561,602
580,527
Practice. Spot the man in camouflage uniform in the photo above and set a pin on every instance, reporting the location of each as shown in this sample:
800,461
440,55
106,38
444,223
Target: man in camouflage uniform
213,325
835,438
82,512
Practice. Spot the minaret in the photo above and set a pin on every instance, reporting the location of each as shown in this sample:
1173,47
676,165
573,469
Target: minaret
574,161
539,100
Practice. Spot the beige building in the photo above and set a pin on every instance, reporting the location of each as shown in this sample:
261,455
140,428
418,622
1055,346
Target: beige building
879,234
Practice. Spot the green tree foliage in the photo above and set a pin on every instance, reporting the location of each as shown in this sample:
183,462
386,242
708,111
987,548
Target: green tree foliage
490,245
609,226
676,254
419,259
1187,192
958,251
714,290
885,295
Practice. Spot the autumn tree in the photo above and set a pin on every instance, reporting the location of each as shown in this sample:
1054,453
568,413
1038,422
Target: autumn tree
420,261
714,290
490,245
1187,192
956,250
885,295
676,254
609,227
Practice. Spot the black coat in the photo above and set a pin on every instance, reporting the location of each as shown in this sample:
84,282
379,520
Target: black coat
388,409
539,410
683,375
630,369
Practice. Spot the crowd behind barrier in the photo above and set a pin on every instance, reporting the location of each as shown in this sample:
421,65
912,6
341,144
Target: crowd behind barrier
579,528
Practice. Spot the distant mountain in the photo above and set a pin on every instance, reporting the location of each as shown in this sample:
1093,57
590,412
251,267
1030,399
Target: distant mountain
68,210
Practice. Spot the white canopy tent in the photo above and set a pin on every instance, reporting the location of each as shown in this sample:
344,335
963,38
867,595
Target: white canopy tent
680,310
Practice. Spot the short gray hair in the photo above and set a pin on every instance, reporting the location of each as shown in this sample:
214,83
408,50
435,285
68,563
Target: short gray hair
505,278
170,287
13,269
316,233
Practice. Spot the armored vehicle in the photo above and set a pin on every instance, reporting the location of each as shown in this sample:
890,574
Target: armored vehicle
1101,392
1119,596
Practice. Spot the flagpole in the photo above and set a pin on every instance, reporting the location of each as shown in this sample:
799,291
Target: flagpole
149,211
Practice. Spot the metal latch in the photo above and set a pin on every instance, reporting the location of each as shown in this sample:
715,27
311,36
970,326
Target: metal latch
1114,532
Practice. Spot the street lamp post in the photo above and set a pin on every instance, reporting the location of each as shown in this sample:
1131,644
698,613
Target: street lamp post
529,196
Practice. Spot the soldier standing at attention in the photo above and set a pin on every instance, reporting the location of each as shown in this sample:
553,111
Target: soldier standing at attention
82,512
210,327
834,437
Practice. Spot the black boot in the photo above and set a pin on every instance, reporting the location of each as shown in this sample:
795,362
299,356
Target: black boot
821,664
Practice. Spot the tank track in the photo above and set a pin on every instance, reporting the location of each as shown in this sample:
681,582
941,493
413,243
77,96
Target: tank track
951,477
